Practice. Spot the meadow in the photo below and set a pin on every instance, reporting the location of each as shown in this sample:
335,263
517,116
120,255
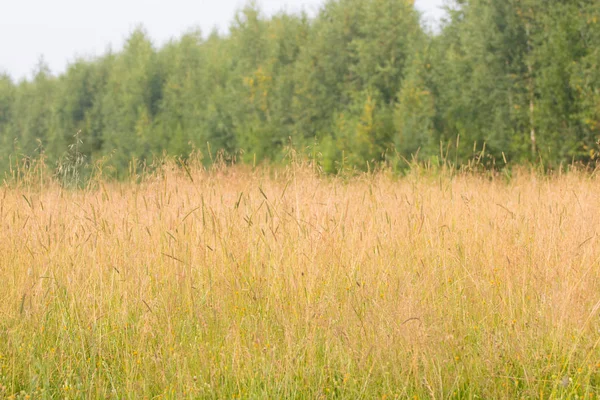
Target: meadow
283,283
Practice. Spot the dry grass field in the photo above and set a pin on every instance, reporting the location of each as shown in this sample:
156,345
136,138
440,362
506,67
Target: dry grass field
271,283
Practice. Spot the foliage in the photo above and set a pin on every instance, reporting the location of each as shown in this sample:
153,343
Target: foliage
361,83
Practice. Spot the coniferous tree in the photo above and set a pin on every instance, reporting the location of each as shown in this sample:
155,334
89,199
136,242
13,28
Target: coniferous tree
355,84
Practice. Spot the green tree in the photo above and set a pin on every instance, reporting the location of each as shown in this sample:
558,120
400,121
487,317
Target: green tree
33,111
7,99
132,98
414,116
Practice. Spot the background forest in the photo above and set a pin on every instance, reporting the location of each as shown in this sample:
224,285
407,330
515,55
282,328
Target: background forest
363,82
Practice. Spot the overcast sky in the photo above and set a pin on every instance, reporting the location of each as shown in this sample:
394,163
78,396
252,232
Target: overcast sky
60,30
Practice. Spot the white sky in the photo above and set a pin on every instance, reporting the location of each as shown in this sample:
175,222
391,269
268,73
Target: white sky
60,30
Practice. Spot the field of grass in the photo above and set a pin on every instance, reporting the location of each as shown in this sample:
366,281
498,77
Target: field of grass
237,283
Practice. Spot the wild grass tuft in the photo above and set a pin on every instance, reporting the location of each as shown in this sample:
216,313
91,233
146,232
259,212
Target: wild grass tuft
281,283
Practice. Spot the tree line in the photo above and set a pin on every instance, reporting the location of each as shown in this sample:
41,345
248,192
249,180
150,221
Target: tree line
361,83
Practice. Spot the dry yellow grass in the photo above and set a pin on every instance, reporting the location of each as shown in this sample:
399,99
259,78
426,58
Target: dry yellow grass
283,284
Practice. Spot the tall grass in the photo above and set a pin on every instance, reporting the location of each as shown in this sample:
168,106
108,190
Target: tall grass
279,283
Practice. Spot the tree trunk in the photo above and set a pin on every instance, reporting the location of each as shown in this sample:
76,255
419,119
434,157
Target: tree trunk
532,135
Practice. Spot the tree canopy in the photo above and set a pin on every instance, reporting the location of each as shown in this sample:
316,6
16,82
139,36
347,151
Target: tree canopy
362,82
